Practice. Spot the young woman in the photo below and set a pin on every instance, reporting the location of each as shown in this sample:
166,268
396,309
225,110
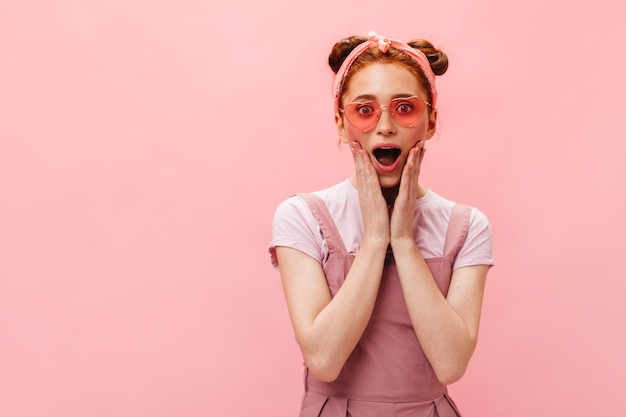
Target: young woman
384,279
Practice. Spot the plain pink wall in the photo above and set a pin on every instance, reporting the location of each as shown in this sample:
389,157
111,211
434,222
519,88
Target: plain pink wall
145,144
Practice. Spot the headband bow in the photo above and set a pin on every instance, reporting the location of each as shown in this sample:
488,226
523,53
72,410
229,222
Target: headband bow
383,43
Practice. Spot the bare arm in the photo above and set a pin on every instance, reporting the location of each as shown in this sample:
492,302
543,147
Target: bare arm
447,328
328,329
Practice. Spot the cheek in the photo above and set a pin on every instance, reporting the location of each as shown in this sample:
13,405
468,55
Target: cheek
353,133
421,127
424,121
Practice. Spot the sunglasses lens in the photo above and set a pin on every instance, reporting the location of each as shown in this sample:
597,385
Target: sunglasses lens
405,111
364,115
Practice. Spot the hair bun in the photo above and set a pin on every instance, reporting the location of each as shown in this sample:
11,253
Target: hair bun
342,49
438,59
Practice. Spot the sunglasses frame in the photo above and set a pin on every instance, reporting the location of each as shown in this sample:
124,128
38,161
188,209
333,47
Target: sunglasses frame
391,111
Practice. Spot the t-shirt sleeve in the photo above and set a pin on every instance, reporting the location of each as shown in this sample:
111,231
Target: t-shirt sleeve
478,246
294,226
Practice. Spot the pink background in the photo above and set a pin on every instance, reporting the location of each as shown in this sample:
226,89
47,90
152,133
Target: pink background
145,144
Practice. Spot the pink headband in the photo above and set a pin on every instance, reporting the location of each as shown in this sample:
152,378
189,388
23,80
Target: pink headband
383,43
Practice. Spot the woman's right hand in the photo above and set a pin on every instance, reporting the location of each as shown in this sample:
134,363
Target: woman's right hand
373,205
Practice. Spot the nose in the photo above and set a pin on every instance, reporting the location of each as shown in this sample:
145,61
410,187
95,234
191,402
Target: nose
386,125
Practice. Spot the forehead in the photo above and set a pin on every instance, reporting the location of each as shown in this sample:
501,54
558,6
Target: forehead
383,81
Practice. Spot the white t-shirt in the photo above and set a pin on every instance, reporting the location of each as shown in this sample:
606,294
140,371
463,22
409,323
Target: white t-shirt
295,227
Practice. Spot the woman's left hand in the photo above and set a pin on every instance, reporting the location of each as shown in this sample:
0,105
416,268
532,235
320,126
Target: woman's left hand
401,222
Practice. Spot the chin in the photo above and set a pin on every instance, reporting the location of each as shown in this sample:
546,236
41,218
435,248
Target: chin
388,182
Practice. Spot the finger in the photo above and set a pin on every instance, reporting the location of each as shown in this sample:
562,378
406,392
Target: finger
354,147
418,165
415,172
418,149
366,174
419,154
407,175
410,161
357,152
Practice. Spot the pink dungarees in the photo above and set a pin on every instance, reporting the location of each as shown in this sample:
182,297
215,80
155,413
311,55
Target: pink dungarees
387,374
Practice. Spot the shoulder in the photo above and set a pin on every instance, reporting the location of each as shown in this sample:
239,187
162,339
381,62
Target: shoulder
290,209
434,214
478,247
337,196
333,197
295,225
434,205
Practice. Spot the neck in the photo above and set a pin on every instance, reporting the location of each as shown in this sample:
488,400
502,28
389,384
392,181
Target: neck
390,194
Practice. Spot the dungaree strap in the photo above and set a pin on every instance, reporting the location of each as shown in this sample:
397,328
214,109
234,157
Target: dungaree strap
326,222
457,230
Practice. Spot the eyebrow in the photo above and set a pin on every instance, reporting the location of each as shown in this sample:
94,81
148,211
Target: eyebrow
373,98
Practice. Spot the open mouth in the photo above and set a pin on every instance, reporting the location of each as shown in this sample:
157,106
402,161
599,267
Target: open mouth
386,156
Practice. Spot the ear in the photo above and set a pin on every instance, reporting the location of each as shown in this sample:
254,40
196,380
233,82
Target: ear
432,124
341,128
